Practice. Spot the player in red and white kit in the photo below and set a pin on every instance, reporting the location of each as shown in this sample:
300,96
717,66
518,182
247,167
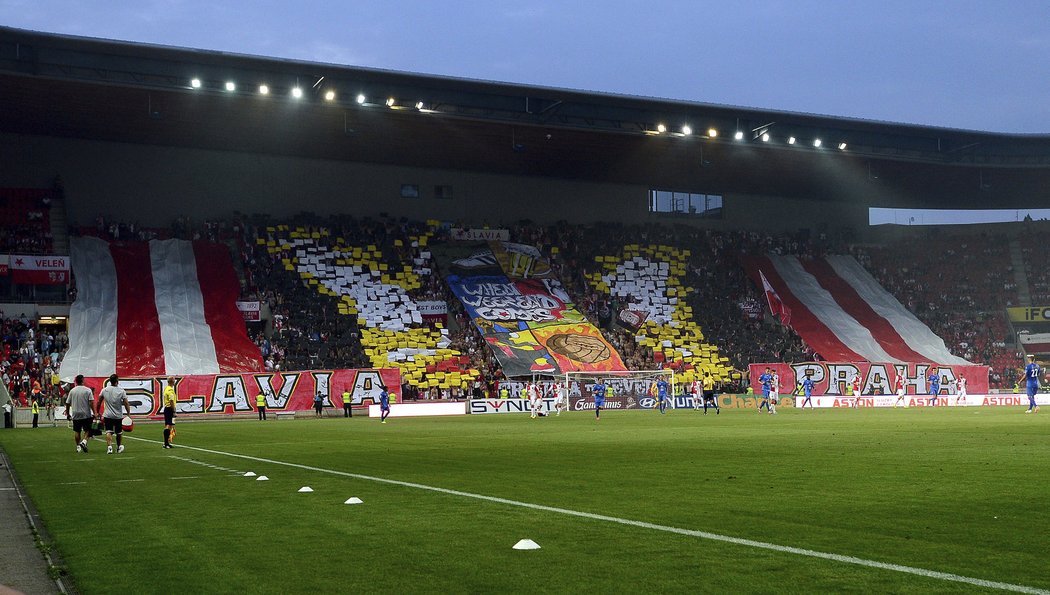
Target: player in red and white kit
900,392
774,393
533,391
561,398
855,385
960,390
697,390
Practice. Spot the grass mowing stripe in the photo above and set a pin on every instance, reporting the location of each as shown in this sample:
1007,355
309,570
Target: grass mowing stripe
945,576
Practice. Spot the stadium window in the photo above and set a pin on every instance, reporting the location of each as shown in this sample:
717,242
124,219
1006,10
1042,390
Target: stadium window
443,192
685,203
409,190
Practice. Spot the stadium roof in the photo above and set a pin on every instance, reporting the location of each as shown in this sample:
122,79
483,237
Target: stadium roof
128,92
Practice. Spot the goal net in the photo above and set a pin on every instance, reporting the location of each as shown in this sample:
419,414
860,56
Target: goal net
624,390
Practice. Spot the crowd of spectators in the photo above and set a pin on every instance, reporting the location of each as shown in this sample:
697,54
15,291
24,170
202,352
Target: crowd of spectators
26,213
29,358
959,286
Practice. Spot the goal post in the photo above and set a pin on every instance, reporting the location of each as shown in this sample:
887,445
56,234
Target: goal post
633,389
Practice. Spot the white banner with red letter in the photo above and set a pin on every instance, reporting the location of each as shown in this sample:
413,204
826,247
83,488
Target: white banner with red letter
219,394
479,235
39,269
831,378
251,311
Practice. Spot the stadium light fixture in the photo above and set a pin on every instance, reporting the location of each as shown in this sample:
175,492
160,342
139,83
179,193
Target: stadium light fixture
791,140
765,137
739,135
264,90
231,86
687,129
329,95
361,98
661,128
390,102
195,83
419,105
712,133
817,142
297,92
842,146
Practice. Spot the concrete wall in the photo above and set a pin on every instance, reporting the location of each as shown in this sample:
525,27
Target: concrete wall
155,184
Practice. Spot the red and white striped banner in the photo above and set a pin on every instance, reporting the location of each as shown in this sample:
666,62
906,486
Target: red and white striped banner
843,313
163,307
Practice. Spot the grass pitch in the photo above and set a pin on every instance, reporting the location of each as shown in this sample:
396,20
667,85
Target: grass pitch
959,491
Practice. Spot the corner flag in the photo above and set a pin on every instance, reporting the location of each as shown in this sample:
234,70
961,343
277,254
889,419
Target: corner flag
776,305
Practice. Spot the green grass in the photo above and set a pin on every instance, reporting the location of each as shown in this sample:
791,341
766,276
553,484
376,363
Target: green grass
959,491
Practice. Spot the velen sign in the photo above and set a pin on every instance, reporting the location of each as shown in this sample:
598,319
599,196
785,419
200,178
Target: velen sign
39,269
235,393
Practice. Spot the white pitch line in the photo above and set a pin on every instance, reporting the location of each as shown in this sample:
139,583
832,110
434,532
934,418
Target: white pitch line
187,477
787,549
128,480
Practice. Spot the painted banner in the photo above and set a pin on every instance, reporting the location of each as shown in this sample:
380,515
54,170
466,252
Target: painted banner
235,393
4,260
458,234
49,269
1035,342
530,323
831,378
251,311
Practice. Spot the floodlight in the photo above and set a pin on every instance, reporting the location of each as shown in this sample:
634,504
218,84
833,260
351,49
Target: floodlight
264,90
230,86
687,129
390,102
195,83
765,137
361,98
842,146
297,92
738,135
329,95
817,142
711,132
661,128
419,105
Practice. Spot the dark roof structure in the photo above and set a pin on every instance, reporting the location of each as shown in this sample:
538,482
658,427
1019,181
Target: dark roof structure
57,85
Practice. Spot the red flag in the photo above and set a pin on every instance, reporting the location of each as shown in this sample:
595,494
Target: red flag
776,305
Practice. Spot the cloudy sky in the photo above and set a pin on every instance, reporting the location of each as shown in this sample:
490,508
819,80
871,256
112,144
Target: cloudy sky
966,64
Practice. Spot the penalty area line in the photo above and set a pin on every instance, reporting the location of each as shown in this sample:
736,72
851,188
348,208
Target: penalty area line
786,549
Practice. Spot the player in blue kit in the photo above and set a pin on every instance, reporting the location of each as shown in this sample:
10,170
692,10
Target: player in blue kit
661,394
807,390
767,381
384,404
1032,372
935,386
598,390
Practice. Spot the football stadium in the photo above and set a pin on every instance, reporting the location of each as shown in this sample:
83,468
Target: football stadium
281,326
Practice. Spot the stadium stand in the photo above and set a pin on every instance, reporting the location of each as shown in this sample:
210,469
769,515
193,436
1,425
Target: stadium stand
26,217
959,286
